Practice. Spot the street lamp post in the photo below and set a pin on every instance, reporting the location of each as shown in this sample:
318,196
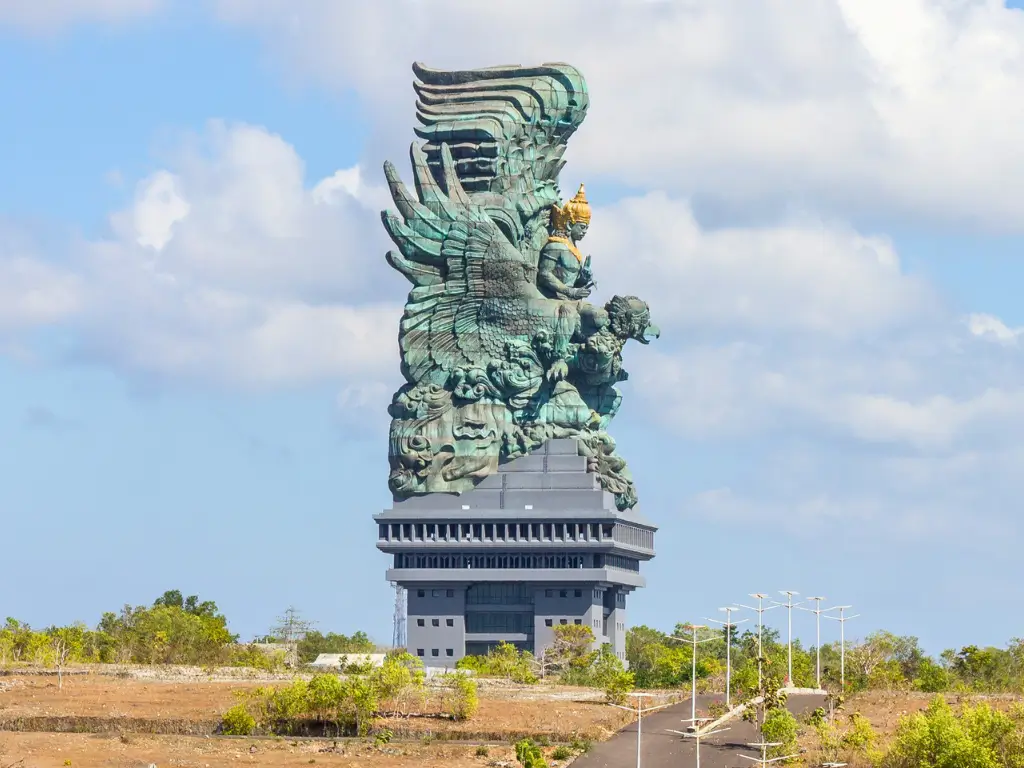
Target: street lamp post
640,712
697,735
817,611
760,612
728,624
763,759
693,628
789,644
842,619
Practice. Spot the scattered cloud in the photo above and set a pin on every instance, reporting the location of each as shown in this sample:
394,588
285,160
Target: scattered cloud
891,108
224,267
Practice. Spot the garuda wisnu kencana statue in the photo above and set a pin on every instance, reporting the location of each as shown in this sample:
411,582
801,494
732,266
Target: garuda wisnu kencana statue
500,349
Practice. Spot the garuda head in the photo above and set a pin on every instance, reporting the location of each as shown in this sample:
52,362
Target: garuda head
630,318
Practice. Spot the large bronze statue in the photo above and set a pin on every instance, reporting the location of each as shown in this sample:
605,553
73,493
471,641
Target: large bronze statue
500,350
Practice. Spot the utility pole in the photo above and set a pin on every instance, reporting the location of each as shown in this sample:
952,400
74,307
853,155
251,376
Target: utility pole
640,712
842,619
693,629
728,649
760,612
697,734
817,611
789,643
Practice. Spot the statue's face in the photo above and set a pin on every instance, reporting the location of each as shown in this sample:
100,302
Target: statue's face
578,230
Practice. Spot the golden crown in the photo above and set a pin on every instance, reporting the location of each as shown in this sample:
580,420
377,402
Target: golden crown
576,210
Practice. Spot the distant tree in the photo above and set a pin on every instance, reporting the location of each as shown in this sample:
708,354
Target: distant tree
65,644
314,643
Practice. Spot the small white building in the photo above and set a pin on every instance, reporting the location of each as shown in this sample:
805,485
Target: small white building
342,660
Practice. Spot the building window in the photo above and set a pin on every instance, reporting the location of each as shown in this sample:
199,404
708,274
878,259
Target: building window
435,622
419,651
577,621
450,622
449,651
577,593
549,593
419,622
434,652
435,593
563,621
563,593
547,622
420,593
449,593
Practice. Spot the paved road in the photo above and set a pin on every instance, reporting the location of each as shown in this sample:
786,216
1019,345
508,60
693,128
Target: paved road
661,749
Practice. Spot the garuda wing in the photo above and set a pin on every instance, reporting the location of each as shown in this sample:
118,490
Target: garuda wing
507,128
471,286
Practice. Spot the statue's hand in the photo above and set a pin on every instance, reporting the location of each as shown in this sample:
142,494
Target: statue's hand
558,371
578,293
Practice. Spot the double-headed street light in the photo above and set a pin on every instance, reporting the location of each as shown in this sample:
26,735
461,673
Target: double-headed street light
697,735
817,611
842,619
789,644
760,622
640,712
694,631
728,624
763,759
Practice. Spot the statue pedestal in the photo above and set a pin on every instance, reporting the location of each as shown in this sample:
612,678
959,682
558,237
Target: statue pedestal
533,546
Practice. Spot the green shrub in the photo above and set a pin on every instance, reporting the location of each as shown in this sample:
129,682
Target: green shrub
581,745
529,755
460,698
976,737
237,722
482,751
780,726
561,753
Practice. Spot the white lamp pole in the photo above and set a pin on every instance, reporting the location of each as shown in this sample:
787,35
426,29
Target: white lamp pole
728,624
763,759
697,734
817,611
789,643
693,628
760,612
640,712
842,619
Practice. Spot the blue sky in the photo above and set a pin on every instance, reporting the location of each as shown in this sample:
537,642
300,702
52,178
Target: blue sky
833,408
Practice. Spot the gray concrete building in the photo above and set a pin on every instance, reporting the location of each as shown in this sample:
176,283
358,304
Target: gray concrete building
535,545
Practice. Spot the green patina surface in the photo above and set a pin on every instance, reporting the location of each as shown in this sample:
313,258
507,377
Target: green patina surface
500,349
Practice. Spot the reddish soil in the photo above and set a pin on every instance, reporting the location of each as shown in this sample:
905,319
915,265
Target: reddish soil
504,709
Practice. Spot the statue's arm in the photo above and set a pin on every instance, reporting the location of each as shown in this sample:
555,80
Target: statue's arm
547,275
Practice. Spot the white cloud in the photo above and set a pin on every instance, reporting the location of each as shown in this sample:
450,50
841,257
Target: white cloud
33,293
992,328
802,276
226,268
886,107
47,15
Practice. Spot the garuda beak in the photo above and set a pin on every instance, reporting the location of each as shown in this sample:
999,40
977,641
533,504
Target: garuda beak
650,332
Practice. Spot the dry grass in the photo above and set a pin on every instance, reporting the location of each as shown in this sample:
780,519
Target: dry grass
883,710
180,702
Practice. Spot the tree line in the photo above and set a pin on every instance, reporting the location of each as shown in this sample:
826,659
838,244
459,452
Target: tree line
173,630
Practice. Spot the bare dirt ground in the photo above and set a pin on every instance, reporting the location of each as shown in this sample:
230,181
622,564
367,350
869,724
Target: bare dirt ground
506,709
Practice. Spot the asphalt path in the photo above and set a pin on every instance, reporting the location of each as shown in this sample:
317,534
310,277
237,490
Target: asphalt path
661,749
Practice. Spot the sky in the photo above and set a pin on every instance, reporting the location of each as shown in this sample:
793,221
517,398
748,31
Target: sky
198,329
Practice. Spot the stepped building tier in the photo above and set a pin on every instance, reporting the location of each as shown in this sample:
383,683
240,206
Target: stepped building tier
535,545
